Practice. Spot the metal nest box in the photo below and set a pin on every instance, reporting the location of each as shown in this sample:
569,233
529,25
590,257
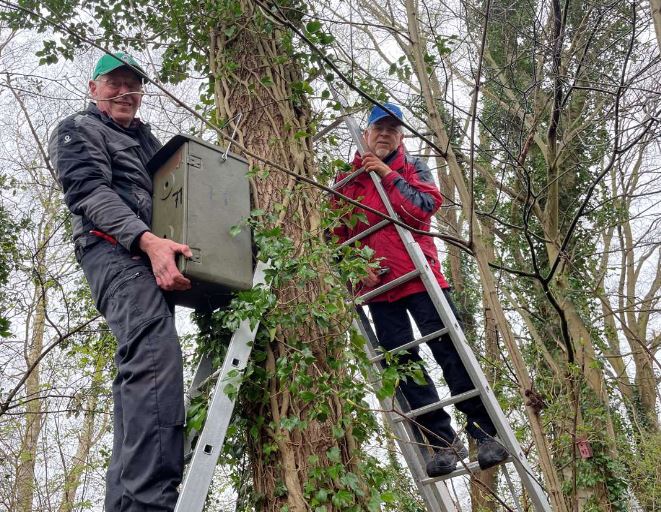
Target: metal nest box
200,194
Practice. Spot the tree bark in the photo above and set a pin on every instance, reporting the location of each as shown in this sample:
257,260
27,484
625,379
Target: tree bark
655,6
86,441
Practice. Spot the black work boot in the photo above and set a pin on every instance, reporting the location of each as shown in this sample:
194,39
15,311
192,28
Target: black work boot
445,459
490,452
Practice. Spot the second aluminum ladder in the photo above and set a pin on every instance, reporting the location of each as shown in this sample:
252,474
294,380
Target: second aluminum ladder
433,490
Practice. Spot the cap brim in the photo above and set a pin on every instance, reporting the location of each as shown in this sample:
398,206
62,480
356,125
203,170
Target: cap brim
119,64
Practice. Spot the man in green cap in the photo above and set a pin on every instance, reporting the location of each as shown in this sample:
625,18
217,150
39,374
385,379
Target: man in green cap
100,156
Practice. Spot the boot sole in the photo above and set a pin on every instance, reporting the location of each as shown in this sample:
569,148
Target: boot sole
491,462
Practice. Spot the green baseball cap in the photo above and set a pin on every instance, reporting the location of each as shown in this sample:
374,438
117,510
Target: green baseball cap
109,63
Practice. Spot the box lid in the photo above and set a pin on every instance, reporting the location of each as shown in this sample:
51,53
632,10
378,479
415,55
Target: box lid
162,155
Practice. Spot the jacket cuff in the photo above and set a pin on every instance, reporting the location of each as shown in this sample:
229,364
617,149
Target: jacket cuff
131,240
389,179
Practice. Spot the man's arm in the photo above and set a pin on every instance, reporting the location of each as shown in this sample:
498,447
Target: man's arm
80,155
83,164
414,199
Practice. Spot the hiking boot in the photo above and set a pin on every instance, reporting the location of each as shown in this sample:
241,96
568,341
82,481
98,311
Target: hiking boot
490,452
445,460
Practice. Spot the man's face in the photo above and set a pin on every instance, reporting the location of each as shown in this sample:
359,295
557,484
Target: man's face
112,95
384,136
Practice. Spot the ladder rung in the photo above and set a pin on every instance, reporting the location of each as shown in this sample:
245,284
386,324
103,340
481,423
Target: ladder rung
411,344
367,232
470,467
388,286
347,179
435,406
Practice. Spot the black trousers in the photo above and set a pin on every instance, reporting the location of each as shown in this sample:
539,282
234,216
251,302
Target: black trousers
393,329
147,455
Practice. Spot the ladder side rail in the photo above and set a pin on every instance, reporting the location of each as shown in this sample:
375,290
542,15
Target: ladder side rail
436,497
202,372
200,472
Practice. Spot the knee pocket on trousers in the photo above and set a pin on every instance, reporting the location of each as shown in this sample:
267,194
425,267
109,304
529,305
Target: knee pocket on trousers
167,365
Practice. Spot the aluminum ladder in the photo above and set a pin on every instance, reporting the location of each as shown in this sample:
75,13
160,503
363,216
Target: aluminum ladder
433,490
195,487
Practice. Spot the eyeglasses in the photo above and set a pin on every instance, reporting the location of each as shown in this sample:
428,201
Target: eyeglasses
117,83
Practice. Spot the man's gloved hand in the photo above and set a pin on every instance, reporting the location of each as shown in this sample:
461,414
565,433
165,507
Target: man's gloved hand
161,253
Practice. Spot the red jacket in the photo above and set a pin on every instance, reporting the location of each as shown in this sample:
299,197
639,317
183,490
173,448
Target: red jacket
415,197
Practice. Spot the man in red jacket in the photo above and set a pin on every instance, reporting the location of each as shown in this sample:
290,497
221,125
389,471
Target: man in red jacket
415,198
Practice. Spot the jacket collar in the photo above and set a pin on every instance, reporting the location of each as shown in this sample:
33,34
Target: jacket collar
136,124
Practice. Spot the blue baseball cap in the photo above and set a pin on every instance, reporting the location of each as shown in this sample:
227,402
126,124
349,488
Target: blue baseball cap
378,113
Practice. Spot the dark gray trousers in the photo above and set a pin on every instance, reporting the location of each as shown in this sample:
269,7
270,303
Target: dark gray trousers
147,455
393,328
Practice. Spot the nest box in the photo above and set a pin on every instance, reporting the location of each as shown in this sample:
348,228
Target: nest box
201,194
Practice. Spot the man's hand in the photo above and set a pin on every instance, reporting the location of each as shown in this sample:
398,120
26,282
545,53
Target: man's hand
371,279
161,253
371,162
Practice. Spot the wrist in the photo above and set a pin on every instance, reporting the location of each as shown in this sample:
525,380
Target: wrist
146,241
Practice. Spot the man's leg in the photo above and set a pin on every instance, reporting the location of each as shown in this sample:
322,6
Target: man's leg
114,487
455,374
149,383
393,328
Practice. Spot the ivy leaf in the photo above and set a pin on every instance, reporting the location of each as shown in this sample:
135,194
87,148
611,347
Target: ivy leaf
418,377
313,26
388,497
334,454
342,498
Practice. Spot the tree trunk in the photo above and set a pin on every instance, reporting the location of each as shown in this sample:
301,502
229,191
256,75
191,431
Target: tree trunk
86,440
254,74
481,498
655,6
25,477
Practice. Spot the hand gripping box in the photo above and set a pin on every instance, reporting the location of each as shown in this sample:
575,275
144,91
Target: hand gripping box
199,196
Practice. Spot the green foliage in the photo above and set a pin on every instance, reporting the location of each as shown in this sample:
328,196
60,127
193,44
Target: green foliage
330,483
9,230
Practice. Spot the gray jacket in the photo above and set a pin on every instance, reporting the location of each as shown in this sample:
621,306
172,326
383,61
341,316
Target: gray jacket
102,169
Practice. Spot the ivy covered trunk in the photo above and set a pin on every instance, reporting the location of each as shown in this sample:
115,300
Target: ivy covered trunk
302,448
